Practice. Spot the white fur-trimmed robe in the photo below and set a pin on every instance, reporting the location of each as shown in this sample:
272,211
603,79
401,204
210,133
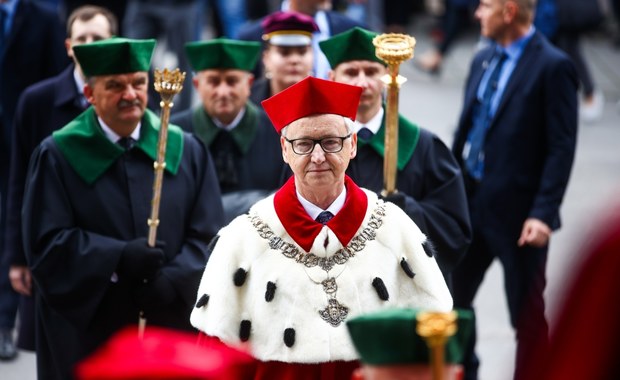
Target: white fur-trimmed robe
299,295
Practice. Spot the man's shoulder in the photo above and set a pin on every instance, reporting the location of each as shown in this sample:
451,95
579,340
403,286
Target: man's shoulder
259,85
341,23
47,148
251,30
38,9
37,16
546,50
542,58
50,87
43,88
183,119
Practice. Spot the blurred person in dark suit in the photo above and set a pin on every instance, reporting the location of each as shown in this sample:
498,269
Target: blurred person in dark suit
31,49
515,141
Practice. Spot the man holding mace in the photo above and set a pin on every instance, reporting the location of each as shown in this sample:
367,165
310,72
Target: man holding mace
429,183
86,210
320,250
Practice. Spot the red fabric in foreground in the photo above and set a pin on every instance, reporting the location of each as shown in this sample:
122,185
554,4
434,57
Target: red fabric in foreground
584,344
289,371
165,354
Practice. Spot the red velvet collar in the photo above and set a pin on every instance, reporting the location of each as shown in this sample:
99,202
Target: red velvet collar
303,229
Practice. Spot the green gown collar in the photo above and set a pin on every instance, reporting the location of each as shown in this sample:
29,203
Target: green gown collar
90,153
243,134
408,136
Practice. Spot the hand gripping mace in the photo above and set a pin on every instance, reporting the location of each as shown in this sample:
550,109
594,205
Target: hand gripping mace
436,328
168,84
393,49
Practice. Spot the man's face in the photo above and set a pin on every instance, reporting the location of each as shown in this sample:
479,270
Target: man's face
318,171
120,100
365,74
84,32
288,65
223,92
491,15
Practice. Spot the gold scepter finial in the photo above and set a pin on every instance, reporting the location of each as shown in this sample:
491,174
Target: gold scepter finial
436,328
168,84
393,49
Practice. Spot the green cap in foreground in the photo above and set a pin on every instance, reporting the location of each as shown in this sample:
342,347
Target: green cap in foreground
388,337
115,56
352,45
223,53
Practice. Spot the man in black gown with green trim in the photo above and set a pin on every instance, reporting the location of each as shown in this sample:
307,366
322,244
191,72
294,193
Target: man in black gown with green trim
86,209
245,148
429,181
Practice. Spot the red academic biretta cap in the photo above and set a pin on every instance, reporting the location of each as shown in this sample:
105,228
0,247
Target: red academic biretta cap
312,96
164,354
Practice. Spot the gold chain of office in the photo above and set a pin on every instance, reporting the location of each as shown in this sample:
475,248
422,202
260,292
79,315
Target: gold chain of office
291,251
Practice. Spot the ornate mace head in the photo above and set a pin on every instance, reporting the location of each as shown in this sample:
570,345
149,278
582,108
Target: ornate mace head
394,48
168,84
436,328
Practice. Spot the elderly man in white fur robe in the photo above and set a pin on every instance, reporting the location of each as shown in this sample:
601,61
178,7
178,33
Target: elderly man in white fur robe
283,278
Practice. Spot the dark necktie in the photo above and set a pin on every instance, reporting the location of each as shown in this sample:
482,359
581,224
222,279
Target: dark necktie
126,142
481,119
224,153
324,217
365,134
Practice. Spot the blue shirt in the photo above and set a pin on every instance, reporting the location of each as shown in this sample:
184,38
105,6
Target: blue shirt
514,52
9,7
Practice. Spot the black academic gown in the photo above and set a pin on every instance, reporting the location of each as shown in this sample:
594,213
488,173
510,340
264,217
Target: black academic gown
248,159
76,224
432,182
261,90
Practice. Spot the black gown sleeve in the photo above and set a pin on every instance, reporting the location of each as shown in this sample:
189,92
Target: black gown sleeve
204,221
439,205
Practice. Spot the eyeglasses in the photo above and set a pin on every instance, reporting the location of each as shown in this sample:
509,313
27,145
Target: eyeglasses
328,144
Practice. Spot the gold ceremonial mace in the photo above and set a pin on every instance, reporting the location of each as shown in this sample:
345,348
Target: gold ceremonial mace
393,49
436,328
168,84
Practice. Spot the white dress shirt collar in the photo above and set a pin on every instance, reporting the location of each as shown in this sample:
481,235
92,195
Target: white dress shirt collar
374,124
314,211
233,124
113,136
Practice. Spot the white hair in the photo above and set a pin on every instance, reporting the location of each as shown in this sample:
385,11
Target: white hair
350,124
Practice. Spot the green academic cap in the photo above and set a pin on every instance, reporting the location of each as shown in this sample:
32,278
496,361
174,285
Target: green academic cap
388,337
114,56
352,45
223,53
